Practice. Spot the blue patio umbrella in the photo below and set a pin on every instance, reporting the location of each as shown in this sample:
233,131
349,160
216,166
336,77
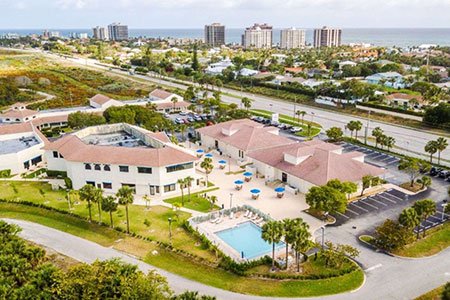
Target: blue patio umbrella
208,155
200,151
247,174
255,191
238,182
222,162
279,190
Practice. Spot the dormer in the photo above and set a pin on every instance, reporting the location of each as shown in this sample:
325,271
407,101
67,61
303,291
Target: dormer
19,106
295,160
229,131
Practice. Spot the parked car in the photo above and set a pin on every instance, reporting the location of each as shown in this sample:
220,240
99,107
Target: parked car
444,174
296,129
288,126
190,119
166,115
179,121
266,121
209,123
435,171
197,118
186,121
182,113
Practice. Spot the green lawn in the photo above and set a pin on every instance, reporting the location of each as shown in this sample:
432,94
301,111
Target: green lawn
435,294
197,202
182,265
42,193
436,240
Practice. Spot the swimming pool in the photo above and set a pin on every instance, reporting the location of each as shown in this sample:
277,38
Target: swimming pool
246,239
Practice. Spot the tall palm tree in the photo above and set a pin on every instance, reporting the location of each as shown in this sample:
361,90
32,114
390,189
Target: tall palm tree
272,233
425,208
377,132
409,219
358,127
183,128
189,181
441,145
97,196
174,100
109,204
301,240
246,102
431,148
182,183
147,200
351,127
208,166
389,142
87,194
288,230
125,197
300,113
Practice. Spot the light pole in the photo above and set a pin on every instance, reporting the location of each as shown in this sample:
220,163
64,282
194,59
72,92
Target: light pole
443,209
312,117
170,232
231,200
367,128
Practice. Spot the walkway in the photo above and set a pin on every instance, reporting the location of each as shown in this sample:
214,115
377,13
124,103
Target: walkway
390,278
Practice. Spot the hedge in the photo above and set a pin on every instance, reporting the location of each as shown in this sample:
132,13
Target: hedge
5,173
394,109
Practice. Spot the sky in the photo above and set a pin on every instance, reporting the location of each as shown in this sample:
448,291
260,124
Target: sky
29,14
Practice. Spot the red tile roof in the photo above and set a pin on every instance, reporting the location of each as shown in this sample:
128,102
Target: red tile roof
322,164
15,128
161,94
248,135
179,104
23,113
100,99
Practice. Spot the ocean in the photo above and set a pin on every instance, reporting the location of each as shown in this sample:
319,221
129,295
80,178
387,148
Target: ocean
400,37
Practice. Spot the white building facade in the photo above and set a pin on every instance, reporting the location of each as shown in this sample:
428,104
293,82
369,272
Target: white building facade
292,38
258,36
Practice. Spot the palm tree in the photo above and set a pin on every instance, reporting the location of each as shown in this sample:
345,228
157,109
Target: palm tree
177,206
208,166
425,181
377,132
351,127
424,209
389,142
182,183
125,197
431,148
246,102
183,128
97,196
272,233
109,204
189,181
300,113
409,219
151,106
147,200
302,242
87,194
212,200
441,145
358,127
174,100
288,230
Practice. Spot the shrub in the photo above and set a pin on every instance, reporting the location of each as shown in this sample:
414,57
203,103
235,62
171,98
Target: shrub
5,173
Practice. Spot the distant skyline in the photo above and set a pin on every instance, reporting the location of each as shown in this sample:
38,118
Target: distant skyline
18,14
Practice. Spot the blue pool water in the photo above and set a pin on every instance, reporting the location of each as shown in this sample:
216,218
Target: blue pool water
246,238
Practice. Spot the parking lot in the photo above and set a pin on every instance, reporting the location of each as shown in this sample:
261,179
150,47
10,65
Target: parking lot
372,204
372,156
438,218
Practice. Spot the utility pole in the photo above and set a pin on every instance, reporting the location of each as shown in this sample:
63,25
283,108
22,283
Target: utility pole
295,103
367,128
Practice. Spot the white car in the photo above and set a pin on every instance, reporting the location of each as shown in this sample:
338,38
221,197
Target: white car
296,129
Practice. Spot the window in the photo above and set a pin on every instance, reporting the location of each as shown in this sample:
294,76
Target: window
241,154
97,167
36,160
144,170
60,156
87,167
130,185
91,183
55,154
169,188
106,168
179,167
107,185
123,169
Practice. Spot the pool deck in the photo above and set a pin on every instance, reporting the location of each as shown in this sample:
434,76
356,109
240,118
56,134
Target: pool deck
209,229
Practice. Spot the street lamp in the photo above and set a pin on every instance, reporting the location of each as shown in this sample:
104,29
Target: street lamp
231,200
170,232
443,209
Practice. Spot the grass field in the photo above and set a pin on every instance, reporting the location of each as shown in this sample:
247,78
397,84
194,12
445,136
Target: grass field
436,240
181,265
197,202
435,294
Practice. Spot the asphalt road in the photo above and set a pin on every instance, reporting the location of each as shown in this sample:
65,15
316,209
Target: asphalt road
386,277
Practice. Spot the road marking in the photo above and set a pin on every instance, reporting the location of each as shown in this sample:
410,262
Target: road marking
360,207
373,206
343,215
348,209
378,201
385,198
373,268
395,196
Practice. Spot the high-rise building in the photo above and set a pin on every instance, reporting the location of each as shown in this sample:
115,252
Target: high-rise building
292,38
215,34
258,36
100,33
327,37
46,34
118,32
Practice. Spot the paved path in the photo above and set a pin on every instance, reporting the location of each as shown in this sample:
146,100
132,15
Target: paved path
388,278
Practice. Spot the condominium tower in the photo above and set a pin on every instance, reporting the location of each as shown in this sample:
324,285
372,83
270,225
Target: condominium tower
327,37
100,33
215,34
292,38
118,32
258,36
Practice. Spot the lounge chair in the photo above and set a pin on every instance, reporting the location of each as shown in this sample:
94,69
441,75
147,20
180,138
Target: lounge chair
232,215
255,217
246,213
213,220
219,220
250,215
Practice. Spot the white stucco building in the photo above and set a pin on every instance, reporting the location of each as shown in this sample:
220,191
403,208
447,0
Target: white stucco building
18,113
116,155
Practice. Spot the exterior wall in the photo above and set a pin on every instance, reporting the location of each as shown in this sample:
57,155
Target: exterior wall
15,161
225,148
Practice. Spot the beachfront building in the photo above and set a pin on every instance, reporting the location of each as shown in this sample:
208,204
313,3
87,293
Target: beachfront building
311,163
292,38
18,113
118,32
20,149
237,138
115,155
215,34
100,33
390,79
327,37
257,36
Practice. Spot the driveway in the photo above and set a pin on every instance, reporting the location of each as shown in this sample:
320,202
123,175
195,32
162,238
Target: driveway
387,277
